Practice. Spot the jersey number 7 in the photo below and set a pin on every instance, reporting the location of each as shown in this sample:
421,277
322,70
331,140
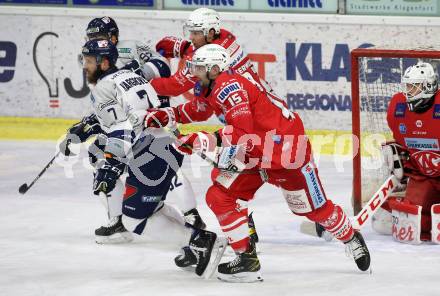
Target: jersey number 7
142,94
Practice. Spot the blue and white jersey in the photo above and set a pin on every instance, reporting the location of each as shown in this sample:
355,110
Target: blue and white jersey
151,64
120,101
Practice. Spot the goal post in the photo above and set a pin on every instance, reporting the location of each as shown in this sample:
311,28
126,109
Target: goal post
375,78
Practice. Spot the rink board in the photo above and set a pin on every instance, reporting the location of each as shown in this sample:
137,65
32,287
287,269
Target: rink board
304,57
29,128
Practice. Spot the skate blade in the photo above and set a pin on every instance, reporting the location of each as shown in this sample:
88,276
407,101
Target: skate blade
242,277
117,238
369,271
191,268
219,246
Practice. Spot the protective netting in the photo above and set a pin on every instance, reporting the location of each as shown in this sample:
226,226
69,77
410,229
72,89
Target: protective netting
379,80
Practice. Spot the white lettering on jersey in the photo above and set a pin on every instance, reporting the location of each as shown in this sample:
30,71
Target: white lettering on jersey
121,101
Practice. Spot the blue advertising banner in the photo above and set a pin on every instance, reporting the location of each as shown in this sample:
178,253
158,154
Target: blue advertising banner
215,4
314,6
34,1
145,3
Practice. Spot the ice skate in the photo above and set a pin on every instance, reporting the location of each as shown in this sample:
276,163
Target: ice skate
187,259
113,233
252,230
245,268
357,248
207,248
193,217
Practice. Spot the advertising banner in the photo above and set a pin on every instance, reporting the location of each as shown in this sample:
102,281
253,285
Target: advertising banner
315,6
308,64
146,3
216,4
36,2
393,7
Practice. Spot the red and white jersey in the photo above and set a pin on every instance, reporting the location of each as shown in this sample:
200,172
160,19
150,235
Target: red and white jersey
419,133
182,81
253,117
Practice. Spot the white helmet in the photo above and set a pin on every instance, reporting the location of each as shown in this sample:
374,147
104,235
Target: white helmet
419,83
202,19
210,55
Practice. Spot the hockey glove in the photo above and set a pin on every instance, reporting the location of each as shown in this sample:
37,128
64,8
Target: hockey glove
231,158
201,142
395,156
172,47
80,132
164,117
144,53
107,175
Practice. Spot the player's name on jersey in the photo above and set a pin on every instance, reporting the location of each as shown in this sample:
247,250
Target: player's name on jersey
131,82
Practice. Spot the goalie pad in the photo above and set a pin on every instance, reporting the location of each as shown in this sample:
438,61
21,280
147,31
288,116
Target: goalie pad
435,230
406,220
382,222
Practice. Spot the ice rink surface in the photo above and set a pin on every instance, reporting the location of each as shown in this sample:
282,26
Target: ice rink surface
47,244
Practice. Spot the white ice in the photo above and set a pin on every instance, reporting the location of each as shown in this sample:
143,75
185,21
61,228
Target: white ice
47,244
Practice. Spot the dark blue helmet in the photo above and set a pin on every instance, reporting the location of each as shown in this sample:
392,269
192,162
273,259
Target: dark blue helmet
113,27
104,27
100,48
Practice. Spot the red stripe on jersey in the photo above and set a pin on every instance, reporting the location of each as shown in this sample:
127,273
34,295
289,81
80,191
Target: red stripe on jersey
235,226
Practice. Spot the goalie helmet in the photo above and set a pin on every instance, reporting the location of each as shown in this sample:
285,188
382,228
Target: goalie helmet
419,83
202,19
209,56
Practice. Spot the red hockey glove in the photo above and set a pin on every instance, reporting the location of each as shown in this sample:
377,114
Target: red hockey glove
172,47
165,117
201,141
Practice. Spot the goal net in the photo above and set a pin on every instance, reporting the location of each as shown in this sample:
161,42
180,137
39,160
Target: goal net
375,78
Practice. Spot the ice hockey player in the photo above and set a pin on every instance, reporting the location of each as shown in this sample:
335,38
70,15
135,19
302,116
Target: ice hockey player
203,27
119,100
153,66
413,157
276,151
133,54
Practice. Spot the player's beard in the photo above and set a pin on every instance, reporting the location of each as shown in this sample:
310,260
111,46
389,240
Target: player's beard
93,77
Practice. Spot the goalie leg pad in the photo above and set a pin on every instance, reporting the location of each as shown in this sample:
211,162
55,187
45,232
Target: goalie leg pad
406,219
423,192
435,216
382,222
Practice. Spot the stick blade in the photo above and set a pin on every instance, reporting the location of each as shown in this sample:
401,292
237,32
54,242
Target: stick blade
23,188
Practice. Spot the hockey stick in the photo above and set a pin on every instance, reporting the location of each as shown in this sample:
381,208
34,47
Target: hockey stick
24,187
104,198
367,211
175,133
